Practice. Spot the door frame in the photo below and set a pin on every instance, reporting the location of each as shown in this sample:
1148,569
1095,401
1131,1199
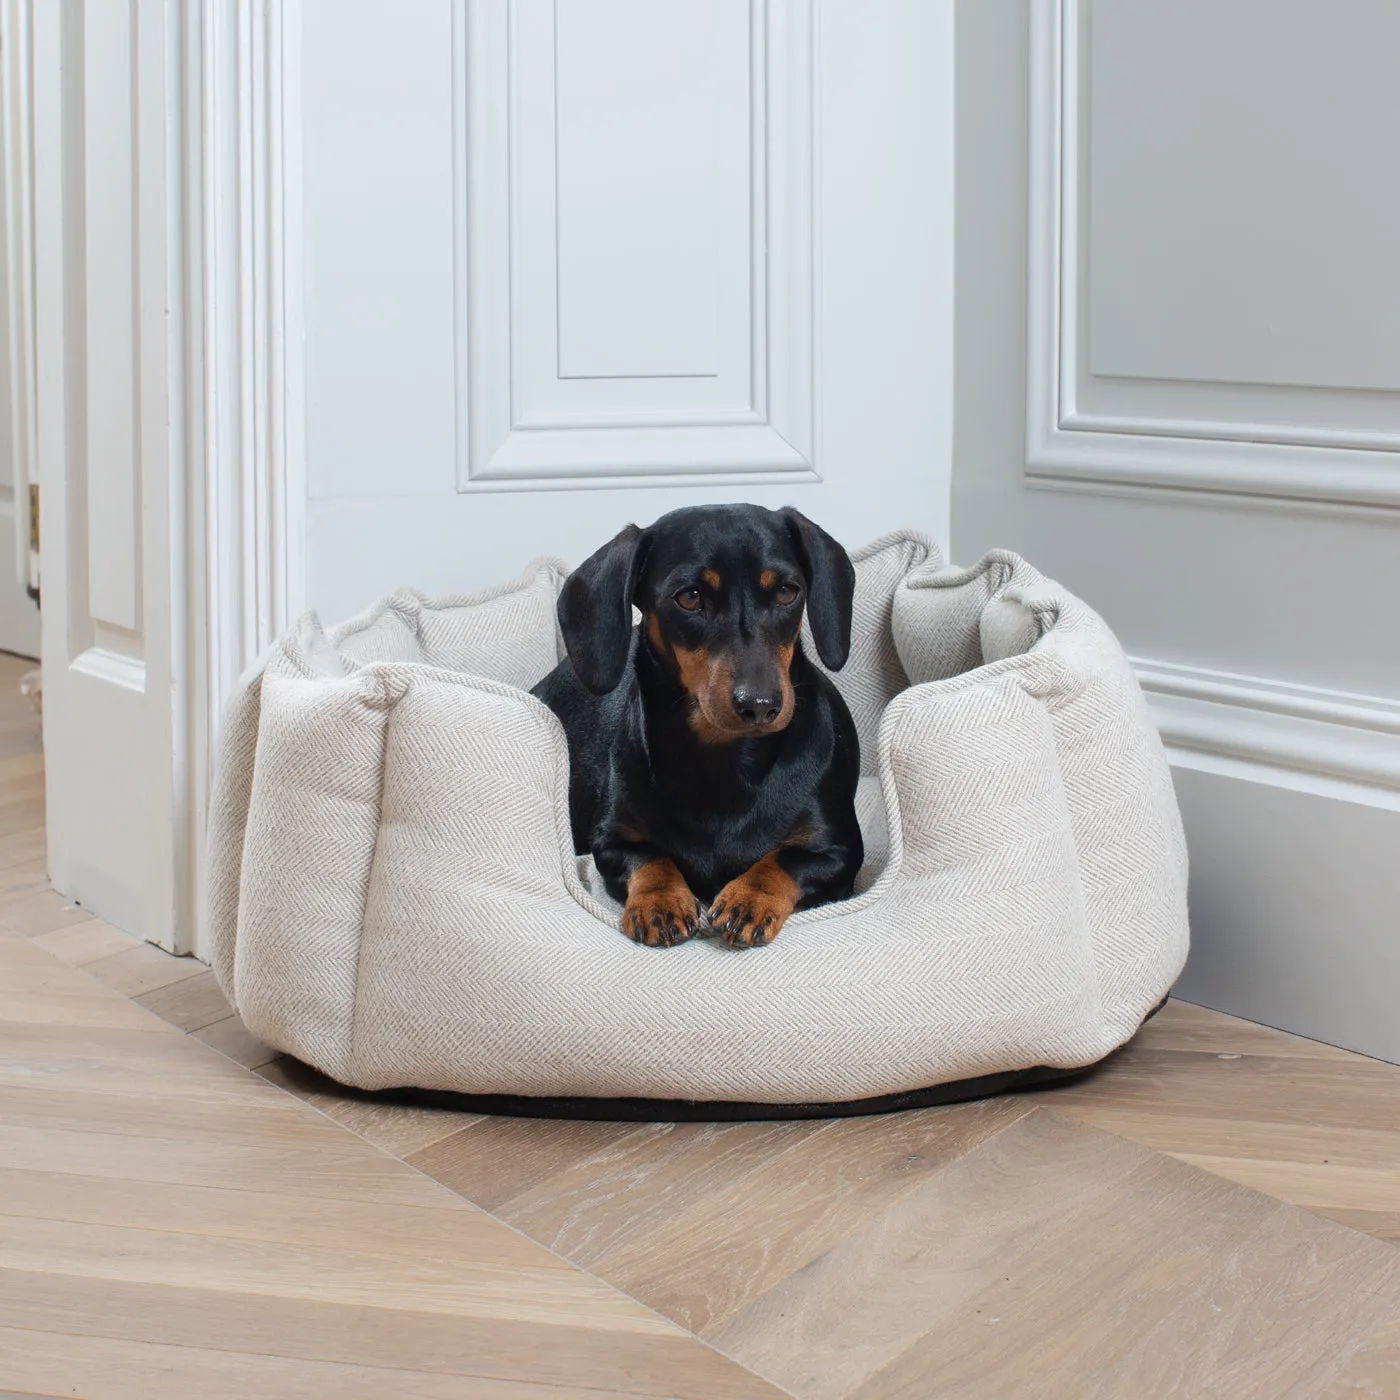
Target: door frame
248,540
231,529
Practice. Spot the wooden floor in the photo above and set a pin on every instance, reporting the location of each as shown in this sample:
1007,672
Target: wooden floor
184,1213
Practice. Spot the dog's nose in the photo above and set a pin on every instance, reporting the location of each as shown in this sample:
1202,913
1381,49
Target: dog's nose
756,706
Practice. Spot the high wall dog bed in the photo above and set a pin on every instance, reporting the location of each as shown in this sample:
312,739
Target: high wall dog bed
395,900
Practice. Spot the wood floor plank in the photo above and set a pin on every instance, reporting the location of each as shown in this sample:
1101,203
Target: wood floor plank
269,1122
83,943
232,1038
494,1159
595,1205
401,1129
21,847
313,1168
106,1369
445,1226
1179,1025
448,1284
1354,1188
253,1205
23,787
552,1354
40,911
1078,1311
142,969
1368,1371
1178,1131
19,1005
133,1060
1355,1093
37,989
20,765
737,1236
20,817
190,1004
24,877
1269,1318
823,1330
1383,1224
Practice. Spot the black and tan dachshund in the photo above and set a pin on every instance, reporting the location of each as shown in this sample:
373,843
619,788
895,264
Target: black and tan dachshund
713,768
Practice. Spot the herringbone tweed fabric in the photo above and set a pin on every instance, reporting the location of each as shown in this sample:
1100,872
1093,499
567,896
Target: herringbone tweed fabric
394,898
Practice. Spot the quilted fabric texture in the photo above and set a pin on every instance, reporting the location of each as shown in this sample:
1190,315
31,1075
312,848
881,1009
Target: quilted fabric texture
394,898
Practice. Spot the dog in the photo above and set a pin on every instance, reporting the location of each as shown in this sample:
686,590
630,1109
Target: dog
712,766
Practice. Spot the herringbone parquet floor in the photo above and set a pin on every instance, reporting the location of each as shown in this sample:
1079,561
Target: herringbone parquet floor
182,1212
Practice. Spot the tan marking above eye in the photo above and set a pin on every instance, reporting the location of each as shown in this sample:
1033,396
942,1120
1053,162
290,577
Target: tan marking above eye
711,578
767,578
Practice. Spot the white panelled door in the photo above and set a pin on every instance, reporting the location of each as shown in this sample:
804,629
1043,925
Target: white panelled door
553,267
108,342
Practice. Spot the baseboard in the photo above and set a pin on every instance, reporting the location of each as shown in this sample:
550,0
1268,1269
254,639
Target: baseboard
1291,799
1330,743
1293,901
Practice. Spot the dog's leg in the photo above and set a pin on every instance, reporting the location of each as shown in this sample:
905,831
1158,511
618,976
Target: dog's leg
749,911
660,909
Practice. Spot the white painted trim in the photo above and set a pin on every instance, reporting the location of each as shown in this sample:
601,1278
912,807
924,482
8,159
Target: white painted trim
1335,743
16,123
1327,467
255,502
111,667
499,447
248,507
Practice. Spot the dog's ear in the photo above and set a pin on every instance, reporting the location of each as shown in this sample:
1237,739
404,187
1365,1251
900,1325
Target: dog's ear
831,587
595,610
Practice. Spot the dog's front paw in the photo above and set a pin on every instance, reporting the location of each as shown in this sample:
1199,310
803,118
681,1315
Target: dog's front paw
661,911
749,911
661,920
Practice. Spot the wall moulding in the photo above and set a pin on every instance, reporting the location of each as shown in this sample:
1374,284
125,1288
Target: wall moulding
1070,444
520,419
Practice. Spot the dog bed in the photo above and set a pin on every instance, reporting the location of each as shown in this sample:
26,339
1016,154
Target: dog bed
394,898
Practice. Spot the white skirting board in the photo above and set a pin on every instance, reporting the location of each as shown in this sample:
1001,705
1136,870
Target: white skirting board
1294,901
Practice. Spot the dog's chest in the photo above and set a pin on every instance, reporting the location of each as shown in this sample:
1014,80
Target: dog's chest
713,841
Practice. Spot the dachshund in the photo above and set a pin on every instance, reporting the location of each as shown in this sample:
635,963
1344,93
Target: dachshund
713,767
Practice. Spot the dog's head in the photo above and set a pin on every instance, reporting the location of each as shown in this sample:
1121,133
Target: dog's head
722,591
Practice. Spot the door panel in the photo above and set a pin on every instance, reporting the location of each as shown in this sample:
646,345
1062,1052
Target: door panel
566,266
106,439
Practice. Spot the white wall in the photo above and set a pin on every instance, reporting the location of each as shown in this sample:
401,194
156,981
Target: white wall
1178,390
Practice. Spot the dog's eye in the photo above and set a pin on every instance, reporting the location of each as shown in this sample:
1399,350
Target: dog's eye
787,595
690,599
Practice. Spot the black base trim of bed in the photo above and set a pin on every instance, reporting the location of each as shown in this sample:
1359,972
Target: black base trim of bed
726,1111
